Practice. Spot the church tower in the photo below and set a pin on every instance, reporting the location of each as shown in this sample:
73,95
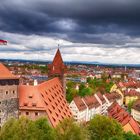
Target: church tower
58,69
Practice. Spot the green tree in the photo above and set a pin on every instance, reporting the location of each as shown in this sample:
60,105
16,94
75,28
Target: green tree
81,87
85,91
25,129
130,104
69,130
70,84
130,136
70,94
103,128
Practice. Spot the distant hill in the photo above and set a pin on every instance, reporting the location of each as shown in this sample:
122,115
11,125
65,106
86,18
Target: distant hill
72,63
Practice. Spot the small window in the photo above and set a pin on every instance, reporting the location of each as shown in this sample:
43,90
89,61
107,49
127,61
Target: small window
30,96
13,91
59,110
53,107
34,104
50,111
49,99
52,97
46,103
56,104
6,92
0,102
27,113
36,113
42,95
25,104
56,114
54,119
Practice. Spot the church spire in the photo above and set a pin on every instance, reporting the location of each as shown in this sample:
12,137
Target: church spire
57,61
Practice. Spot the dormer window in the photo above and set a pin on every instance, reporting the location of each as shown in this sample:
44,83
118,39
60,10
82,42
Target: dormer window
30,96
25,103
34,104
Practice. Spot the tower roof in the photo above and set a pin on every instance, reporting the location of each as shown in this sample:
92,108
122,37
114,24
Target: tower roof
57,66
58,59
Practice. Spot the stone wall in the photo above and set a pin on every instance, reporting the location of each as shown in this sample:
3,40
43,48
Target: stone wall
8,101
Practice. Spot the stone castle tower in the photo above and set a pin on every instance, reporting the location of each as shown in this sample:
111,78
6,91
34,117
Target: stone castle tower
8,95
58,69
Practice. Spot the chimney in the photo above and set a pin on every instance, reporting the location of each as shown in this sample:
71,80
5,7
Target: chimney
35,82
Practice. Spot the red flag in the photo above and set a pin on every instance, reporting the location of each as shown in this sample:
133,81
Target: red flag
3,42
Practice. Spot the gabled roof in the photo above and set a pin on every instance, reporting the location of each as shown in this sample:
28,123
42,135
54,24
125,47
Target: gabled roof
30,98
118,113
132,92
91,101
100,96
112,96
48,96
5,73
79,103
87,101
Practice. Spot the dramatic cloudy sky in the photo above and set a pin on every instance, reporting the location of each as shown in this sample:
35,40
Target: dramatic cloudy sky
88,30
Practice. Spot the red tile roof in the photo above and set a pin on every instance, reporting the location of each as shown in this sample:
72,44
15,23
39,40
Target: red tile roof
5,73
91,101
132,92
130,83
87,101
101,97
117,112
49,96
112,96
30,98
79,103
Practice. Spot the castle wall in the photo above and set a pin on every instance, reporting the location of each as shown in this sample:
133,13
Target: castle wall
8,99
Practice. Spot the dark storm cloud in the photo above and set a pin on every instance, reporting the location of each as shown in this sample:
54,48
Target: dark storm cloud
74,20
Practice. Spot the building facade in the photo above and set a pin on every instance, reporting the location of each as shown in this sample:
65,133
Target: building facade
84,109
